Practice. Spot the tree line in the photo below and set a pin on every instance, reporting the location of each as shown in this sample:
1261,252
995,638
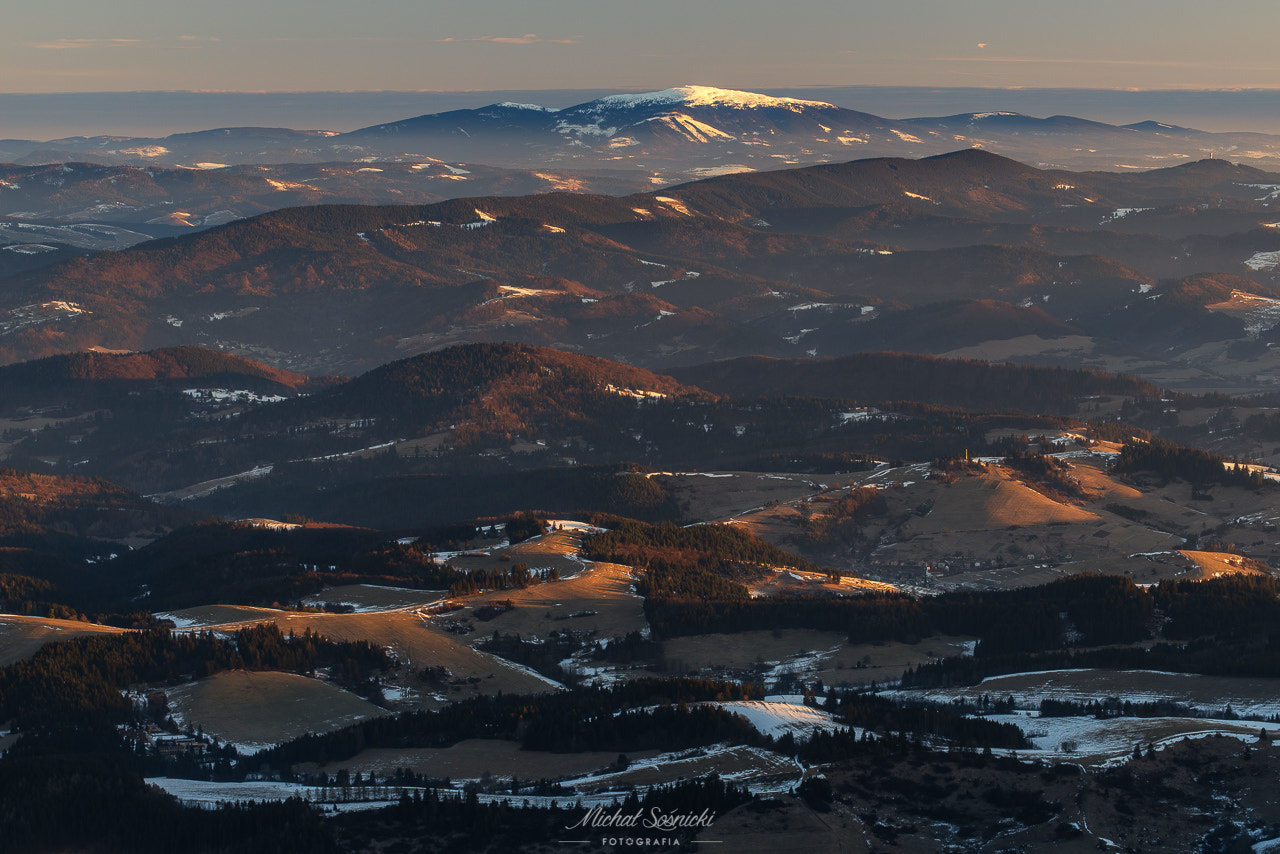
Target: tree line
79,681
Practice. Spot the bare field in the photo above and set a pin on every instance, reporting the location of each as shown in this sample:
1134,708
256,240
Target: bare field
551,544
21,636
1142,568
1024,548
374,597
556,550
207,616
417,644
724,495
605,588
1227,504
993,500
472,758
1213,564
990,517
887,661
262,708
810,654
1098,485
743,650
793,582
1025,345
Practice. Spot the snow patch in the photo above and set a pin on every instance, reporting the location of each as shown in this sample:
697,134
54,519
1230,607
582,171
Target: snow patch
675,204
511,105
284,186
1272,191
30,248
1263,261
690,128
1121,213
709,96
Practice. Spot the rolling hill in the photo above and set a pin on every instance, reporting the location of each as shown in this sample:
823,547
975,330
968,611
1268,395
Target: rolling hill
476,415
763,264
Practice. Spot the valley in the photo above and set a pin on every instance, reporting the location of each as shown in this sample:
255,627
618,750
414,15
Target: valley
922,502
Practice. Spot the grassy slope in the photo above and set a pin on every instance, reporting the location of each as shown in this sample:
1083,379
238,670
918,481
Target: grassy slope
267,707
21,636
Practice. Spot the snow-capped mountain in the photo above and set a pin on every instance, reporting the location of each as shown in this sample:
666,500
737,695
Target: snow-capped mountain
702,114
690,131
669,136
744,125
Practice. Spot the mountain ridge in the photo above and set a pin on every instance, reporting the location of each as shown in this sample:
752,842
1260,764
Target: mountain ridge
781,263
672,134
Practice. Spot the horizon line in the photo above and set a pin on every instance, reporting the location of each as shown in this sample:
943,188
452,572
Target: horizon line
1119,89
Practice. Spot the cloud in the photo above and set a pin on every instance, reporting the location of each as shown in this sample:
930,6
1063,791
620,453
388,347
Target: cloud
529,38
982,44
191,43
176,43
87,73
76,44
1150,63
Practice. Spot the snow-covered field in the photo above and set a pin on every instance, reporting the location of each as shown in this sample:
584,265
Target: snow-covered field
1091,740
208,794
1247,697
776,716
180,622
1094,741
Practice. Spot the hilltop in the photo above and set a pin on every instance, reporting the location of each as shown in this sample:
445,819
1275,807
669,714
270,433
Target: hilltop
173,366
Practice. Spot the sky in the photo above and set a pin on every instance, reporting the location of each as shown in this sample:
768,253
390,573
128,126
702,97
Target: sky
290,45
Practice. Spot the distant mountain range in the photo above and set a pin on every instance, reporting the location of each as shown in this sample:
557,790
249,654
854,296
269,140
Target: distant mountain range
61,210
673,135
64,198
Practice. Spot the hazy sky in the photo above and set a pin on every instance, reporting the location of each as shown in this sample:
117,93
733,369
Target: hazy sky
292,45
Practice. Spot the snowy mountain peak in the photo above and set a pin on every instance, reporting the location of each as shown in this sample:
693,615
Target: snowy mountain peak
511,105
708,96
